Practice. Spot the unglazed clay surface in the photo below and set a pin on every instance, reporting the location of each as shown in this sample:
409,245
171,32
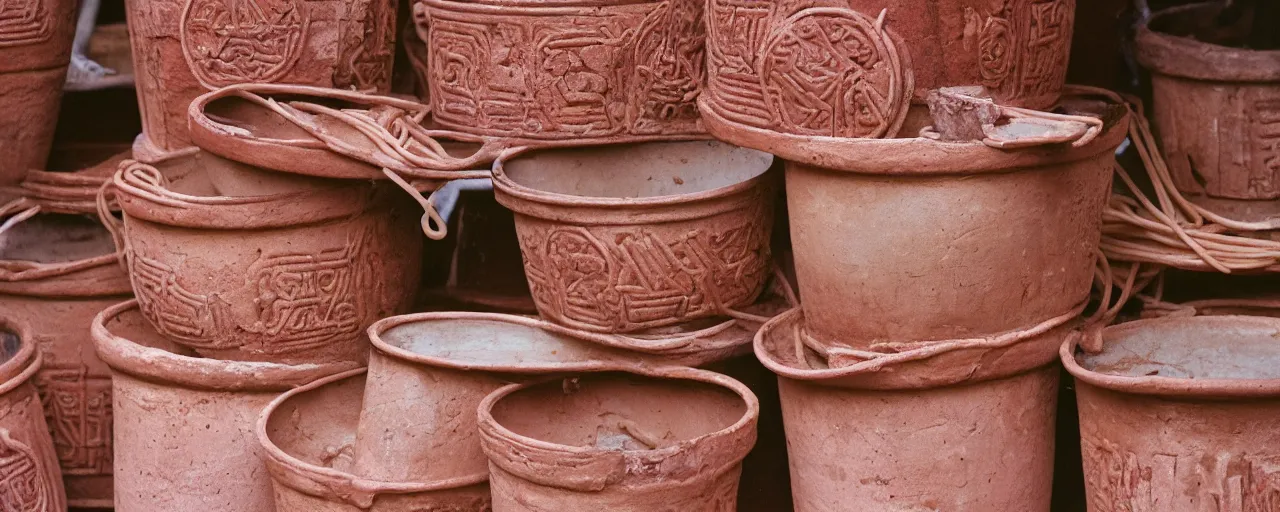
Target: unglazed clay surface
183,48
572,70
35,48
29,479
625,238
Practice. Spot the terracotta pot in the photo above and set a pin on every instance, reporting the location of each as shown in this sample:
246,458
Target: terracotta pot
168,401
28,462
184,48
917,433
947,220
623,238
56,272
35,48
1214,107
666,439
306,438
429,371
1178,414
567,72
291,269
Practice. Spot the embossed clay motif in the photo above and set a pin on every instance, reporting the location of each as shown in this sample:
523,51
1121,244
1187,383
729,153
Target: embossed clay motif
580,70
626,238
1216,110
35,48
657,439
290,269
184,48
29,479
1212,384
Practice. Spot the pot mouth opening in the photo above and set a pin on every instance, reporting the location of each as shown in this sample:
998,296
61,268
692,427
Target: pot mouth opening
1209,23
1196,348
488,342
204,175
617,411
10,345
636,171
52,238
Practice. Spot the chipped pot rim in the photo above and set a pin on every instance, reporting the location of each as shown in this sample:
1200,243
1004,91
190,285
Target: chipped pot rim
1188,57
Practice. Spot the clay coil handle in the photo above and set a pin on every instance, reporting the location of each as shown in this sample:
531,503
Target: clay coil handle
17,211
967,113
114,226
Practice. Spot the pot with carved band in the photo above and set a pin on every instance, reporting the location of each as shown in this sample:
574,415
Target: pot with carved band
57,271
306,436
239,263
1214,106
623,238
1178,414
29,478
167,401
575,72
918,429
184,48
35,48
664,438
953,221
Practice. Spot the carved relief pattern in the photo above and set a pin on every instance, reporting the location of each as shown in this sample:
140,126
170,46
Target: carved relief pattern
24,22
77,409
301,302
24,485
1022,45
737,28
243,41
1118,480
1264,117
604,71
626,280
367,42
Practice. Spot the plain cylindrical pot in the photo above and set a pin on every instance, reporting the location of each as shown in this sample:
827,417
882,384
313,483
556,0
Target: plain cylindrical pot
566,71
1216,109
306,437
29,478
35,48
240,263
894,238
184,48
57,272
429,371
666,439
967,429
624,238
1178,414
184,425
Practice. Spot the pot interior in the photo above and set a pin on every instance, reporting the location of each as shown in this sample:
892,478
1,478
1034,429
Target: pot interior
10,344
1206,23
619,411
491,343
56,238
651,169
1210,347
132,326
204,174
319,426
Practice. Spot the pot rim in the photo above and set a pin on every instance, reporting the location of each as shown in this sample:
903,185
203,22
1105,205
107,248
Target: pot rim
29,278
489,426
25,363
1187,57
503,184
907,157
313,472
529,6
159,365
1173,387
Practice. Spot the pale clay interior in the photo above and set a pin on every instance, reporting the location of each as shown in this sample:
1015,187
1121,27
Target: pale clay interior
319,427
208,175
490,343
652,169
56,238
1198,348
612,411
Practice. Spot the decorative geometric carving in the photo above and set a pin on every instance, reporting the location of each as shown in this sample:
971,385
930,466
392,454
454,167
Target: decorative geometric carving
24,22
242,41
368,46
1117,480
1022,46
1264,117
78,410
22,483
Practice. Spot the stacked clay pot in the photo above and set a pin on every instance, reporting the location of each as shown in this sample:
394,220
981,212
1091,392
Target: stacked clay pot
184,48
28,460
35,48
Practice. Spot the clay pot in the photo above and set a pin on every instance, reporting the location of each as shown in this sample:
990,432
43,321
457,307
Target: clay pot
921,431
894,238
1178,414
306,438
565,72
35,48
1214,105
184,48
429,371
28,463
624,238
290,269
56,272
667,439
168,401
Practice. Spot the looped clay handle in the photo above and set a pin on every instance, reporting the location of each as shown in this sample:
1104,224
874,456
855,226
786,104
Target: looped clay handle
114,226
969,114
